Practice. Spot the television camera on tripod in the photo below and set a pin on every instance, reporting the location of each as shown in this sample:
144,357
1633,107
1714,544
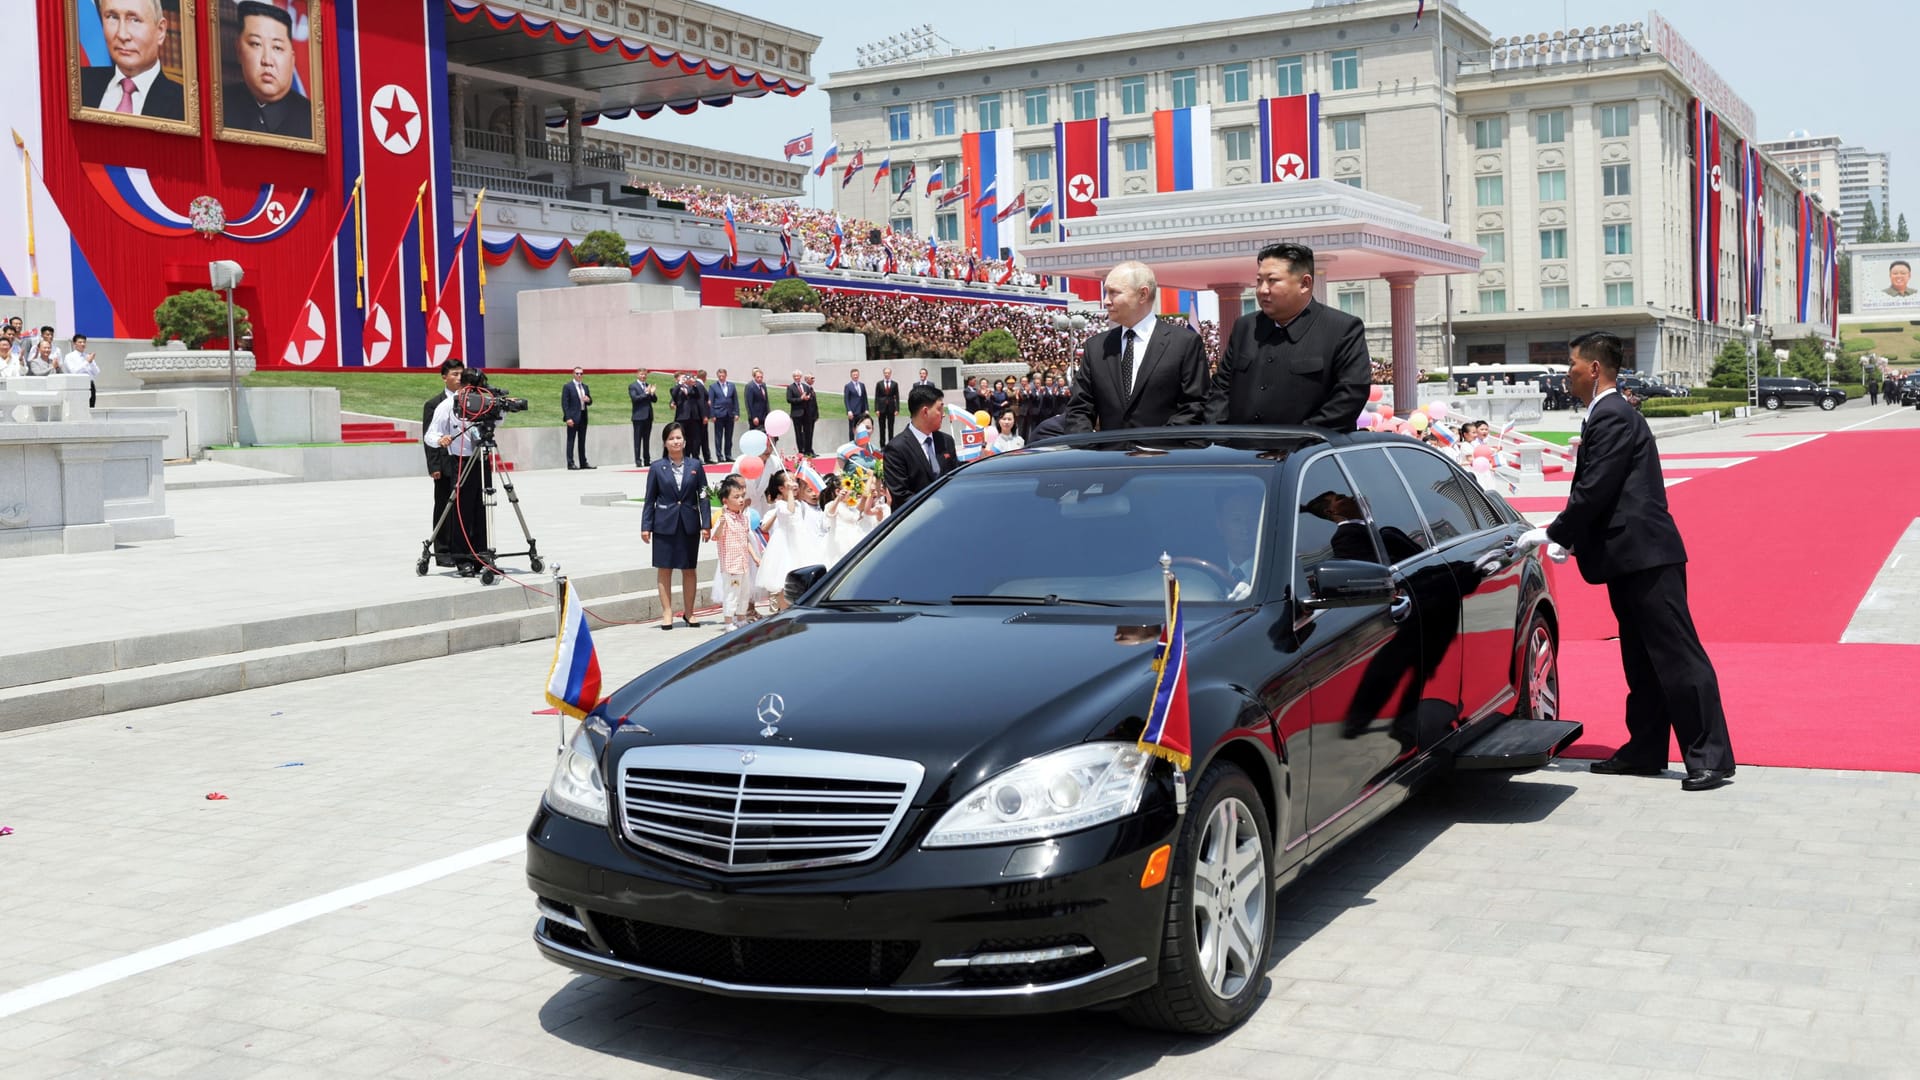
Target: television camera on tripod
468,420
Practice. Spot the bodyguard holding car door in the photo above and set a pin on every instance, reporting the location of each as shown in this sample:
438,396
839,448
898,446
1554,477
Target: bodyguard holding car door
1617,526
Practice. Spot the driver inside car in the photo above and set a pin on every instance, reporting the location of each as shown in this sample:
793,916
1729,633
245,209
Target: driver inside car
1239,522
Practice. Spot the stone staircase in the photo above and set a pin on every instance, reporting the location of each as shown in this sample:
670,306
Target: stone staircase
373,432
115,675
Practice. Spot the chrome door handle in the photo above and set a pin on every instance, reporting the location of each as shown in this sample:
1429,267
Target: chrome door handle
1401,607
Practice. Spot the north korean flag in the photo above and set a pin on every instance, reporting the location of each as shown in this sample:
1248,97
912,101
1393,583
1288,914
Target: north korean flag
452,326
315,333
1289,138
1080,157
397,305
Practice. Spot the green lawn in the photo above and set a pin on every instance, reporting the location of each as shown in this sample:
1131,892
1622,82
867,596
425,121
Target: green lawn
1559,437
401,394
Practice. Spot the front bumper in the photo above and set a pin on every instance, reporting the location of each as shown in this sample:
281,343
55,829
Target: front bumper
900,932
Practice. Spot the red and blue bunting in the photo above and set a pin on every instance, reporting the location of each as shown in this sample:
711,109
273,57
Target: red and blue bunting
129,193
541,252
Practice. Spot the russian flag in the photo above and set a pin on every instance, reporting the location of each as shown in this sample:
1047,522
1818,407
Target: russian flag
936,179
987,157
1289,138
573,682
1039,217
885,170
827,159
1183,148
733,237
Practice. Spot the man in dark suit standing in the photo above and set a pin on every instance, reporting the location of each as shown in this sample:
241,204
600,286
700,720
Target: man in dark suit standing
757,405
133,84
440,463
643,396
1617,526
724,399
799,396
686,410
970,397
1143,371
854,394
886,406
575,400
1298,361
922,453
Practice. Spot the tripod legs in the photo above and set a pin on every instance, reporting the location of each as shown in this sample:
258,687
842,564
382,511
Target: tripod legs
481,558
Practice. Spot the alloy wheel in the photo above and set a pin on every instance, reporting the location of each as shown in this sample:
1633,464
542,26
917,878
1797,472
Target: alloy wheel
1543,675
1230,898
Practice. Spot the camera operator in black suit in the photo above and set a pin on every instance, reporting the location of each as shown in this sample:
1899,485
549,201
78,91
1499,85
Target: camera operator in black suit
1617,526
439,462
1298,361
1143,372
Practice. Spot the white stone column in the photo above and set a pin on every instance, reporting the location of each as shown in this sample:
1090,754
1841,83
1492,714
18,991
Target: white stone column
1322,271
1230,297
1406,360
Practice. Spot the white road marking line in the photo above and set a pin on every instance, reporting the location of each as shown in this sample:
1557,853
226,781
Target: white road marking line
1801,442
111,971
1871,420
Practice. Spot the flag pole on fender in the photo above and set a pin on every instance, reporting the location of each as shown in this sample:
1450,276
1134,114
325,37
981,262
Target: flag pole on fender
573,682
1167,732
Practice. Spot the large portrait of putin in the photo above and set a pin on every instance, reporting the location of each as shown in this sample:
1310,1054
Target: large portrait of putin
132,62
267,73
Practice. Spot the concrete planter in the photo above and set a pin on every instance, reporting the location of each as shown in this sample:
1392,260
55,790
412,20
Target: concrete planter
599,275
163,368
792,322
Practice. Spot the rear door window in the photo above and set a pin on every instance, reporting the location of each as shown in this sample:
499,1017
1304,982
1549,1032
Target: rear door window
1437,488
1403,533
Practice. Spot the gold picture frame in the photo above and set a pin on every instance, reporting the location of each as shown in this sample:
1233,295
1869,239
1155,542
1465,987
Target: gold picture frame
248,122
170,100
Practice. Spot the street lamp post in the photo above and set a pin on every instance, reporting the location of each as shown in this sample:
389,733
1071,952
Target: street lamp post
1072,328
1830,358
1779,358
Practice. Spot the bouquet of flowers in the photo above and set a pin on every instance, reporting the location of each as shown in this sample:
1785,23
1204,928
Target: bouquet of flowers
208,217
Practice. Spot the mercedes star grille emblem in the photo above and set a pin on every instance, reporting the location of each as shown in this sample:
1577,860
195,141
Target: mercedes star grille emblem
771,708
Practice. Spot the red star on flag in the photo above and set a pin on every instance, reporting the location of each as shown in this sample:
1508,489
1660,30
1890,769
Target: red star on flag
396,116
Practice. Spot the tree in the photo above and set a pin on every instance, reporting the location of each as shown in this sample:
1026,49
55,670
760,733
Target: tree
1807,358
993,347
1845,271
1900,234
195,318
1869,225
792,294
1730,367
601,247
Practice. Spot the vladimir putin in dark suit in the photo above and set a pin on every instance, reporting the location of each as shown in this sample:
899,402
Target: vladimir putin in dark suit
923,453
133,84
1617,526
1298,361
1142,372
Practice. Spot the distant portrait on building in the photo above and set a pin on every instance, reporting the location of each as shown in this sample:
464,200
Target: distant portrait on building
1900,278
265,73
1883,278
132,63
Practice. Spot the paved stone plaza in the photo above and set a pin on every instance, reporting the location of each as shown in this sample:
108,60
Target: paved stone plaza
355,907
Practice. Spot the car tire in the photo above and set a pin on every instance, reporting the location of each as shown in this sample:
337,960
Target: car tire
1827,404
1771,401
1218,929
1537,684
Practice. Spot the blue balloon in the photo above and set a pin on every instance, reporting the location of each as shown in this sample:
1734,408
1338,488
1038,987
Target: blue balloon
753,519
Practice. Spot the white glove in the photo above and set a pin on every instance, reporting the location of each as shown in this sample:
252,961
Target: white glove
1556,552
1532,538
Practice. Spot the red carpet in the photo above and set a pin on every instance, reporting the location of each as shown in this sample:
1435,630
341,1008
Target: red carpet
1782,550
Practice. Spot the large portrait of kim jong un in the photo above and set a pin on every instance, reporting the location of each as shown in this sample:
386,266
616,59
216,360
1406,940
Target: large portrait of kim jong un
132,63
266,73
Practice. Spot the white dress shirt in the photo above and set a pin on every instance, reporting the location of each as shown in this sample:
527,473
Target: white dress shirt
143,82
444,425
1142,333
79,363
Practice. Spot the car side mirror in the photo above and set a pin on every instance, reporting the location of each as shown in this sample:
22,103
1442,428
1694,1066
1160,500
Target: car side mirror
801,580
1341,583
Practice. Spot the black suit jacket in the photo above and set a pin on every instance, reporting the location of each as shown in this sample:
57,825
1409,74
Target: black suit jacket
1616,520
1169,382
686,408
1314,370
165,99
906,463
571,406
886,397
438,460
757,407
802,403
669,510
642,395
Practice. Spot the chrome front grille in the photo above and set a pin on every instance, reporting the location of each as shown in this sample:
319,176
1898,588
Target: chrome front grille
752,809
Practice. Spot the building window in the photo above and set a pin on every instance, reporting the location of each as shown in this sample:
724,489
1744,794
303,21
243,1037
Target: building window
1493,301
1555,297
1036,106
1346,69
1186,88
947,227
1289,76
1553,185
902,226
990,113
1550,127
1619,294
1616,179
1039,164
899,127
1136,155
1493,247
1350,181
897,179
1086,101
1236,83
1619,239
1553,243
943,112
1490,191
1346,134
1354,302
1615,121
1239,144
1133,95
1489,134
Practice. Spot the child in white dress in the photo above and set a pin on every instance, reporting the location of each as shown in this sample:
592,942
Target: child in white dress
792,535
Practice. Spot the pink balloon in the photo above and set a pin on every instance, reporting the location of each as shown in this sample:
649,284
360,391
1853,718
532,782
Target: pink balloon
779,423
1375,393
1386,411
751,467
1482,465
1436,409
1483,452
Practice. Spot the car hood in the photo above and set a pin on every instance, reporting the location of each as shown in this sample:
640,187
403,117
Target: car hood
964,691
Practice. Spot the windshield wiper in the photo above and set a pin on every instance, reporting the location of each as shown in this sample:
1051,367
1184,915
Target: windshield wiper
1049,600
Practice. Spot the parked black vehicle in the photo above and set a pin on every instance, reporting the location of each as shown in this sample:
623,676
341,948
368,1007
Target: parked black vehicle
1910,389
981,834
1780,390
1638,388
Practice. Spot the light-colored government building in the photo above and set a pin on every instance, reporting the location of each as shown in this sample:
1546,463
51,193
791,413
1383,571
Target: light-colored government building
1850,177
1568,153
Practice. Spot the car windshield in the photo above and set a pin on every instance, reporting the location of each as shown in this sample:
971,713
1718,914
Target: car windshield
1063,536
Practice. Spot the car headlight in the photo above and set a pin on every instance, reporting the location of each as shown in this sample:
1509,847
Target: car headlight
1056,793
576,789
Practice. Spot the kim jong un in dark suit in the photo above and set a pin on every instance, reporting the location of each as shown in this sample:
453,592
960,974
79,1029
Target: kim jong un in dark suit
1296,362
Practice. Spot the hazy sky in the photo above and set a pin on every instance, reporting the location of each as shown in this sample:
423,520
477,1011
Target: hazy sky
1841,67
